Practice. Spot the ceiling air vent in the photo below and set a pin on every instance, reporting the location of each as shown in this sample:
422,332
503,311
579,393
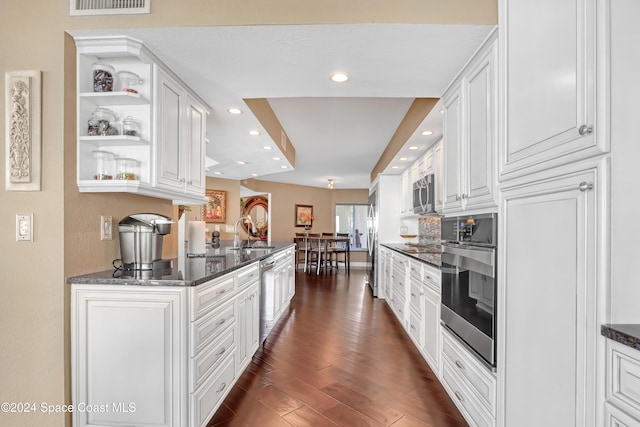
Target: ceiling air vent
109,7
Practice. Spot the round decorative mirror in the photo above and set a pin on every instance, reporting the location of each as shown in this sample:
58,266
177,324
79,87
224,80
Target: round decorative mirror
258,208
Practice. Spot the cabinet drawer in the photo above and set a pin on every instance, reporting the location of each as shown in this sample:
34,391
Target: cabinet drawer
478,378
207,329
208,397
415,270
414,297
623,382
614,417
248,276
463,397
206,296
210,357
431,278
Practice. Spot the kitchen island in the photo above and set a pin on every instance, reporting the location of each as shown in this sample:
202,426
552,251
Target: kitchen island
164,347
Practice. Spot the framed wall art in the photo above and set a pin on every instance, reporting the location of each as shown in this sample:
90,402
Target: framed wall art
304,216
215,210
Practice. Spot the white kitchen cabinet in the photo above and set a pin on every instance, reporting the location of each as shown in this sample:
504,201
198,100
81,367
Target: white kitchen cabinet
126,341
248,325
470,133
549,240
181,129
174,352
622,385
552,80
407,193
471,386
431,328
169,144
438,174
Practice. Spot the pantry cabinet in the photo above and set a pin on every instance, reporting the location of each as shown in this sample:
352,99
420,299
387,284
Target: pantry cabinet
167,148
470,133
553,76
550,245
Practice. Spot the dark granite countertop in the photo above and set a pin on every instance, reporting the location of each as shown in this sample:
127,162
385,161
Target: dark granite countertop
627,334
192,271
430,254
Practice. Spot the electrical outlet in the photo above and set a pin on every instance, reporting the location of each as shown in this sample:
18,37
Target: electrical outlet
229,228
216,227
24,227
105,228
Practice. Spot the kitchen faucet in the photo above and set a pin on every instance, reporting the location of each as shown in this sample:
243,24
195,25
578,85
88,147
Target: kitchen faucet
236,232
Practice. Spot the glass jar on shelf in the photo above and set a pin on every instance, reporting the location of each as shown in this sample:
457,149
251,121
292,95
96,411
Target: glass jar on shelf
103,76
130,127
102,123
129,82
104,164
127,169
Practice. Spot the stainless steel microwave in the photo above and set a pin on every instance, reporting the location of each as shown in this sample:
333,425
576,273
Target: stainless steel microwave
424,195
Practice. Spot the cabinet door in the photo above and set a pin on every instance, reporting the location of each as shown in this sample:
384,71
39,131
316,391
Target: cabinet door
196,118
169,156
550,83
438,171
480,87
431,319
548,301
452,152
407,195
244,318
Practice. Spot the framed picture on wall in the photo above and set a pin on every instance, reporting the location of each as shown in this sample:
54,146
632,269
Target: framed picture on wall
304,216
215,210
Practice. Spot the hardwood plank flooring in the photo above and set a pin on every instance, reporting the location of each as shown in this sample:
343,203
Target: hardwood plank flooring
338,357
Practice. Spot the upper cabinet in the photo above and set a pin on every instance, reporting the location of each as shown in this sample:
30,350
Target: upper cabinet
140,128
470,129
551,85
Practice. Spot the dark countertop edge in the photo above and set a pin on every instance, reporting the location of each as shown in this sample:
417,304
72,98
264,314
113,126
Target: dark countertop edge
88,279
411,255
627,334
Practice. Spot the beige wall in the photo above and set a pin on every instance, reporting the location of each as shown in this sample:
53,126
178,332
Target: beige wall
33,296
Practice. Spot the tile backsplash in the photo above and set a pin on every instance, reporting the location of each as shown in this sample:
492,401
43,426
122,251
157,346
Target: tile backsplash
429,230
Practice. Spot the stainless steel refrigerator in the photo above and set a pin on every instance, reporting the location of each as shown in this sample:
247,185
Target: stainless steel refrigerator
372,241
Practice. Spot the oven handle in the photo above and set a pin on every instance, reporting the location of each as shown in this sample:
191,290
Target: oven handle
478,253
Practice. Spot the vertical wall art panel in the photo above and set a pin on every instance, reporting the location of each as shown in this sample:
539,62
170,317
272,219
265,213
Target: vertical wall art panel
23,128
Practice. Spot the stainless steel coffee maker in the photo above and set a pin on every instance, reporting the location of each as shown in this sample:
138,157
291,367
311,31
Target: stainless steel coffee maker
141,238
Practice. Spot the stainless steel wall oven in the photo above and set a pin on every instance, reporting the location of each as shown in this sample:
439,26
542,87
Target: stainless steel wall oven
469,281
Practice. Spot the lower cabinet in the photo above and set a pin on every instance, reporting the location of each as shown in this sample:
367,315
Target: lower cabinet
165,356
471,386
622,406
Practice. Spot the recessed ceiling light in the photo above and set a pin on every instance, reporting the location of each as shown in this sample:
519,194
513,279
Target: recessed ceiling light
427,133
413,147
403,158
283,166
395,167
441,111
217,173
277,158
234,111
254,174
240,162
339,77
254,133
267,147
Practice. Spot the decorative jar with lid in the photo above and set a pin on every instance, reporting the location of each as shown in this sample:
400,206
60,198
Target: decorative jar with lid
103,77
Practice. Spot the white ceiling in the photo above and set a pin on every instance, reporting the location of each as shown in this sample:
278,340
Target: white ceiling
338,130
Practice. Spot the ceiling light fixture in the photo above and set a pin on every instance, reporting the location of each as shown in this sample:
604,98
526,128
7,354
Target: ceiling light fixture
413,147
277,158
404,159
330,184
240,162
217,173
339,77
427,133
283,166
267,147
254,133
395,167
234,111
254,174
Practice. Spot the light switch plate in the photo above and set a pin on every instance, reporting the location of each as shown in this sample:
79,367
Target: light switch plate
105,228
24,227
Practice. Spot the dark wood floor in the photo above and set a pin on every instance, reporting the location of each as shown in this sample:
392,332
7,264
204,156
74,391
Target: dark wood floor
338,357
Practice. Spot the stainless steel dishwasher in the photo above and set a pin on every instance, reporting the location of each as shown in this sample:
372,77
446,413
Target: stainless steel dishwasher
267,297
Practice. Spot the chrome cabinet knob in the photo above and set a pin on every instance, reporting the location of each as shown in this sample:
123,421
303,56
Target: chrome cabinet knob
585,186
585,130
